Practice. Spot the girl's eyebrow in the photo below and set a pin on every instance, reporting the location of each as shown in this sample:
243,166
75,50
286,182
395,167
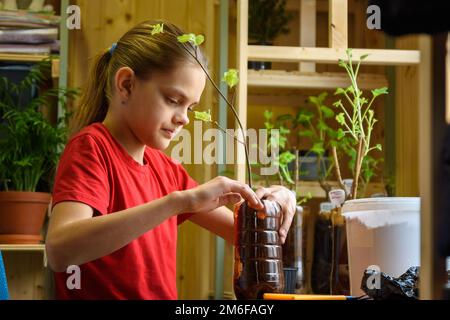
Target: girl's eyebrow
180,93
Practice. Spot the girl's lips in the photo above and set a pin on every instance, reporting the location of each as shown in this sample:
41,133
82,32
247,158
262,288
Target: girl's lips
169,133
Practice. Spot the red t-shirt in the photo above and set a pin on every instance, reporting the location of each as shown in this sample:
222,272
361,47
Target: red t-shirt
96,170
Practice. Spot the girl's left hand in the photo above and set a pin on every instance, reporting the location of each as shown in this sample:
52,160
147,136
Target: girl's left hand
288,202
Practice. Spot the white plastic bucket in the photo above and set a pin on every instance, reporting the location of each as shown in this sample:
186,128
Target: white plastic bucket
381,232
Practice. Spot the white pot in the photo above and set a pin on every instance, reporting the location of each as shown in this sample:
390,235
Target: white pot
382,233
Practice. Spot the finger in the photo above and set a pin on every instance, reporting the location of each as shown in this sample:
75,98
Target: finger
229,198
246,192
262,192
288,216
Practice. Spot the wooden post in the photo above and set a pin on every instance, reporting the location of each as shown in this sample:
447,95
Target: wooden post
307,31
337,24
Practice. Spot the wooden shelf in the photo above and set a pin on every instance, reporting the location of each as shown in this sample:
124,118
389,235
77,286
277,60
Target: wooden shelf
331,55
317,191
26,248
311,80
31,58
22,247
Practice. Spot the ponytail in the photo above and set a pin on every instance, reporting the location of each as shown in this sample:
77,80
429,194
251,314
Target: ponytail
95,98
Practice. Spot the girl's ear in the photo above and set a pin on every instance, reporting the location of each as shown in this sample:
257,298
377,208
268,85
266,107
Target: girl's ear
124,81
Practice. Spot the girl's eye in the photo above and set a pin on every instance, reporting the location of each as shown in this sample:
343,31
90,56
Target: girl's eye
172,101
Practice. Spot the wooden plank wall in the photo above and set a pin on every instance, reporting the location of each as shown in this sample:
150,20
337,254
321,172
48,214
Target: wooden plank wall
102,23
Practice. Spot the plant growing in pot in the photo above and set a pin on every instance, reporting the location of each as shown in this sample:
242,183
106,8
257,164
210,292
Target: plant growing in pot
258,255
356,126
30,146
390,224
267,20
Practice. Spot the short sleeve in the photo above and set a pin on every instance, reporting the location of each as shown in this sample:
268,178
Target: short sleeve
185,182
82,175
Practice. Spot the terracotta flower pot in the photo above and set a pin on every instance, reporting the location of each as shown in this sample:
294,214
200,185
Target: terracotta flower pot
22,216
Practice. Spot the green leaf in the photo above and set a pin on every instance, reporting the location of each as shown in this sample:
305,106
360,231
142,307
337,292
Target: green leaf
196,40
340,118
305,133
273,141
364,56
380,91
318,148
204,116
327,112
268,125
339,91
187,37
284,131
282,142
321,125
230,77
284,117
349,53
304,116
268,114
379,147
199,39
286,157
157,28
340,133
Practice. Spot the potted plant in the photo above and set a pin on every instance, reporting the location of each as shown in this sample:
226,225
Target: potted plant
267,19
30,147
383,233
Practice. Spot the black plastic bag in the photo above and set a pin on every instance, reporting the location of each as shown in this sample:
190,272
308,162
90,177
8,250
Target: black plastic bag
380,286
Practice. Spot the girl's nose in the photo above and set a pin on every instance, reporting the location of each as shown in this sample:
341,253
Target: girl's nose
181,118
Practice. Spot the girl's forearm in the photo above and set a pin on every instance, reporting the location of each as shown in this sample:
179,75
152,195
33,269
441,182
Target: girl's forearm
89,239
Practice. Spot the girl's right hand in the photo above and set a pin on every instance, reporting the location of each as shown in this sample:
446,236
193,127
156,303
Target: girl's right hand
218,192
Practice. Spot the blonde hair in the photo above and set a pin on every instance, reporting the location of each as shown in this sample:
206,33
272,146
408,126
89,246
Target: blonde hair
139,50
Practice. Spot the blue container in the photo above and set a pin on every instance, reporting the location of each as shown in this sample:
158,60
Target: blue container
3,283
310,169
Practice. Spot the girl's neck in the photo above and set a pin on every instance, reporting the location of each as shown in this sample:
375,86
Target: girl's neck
122,133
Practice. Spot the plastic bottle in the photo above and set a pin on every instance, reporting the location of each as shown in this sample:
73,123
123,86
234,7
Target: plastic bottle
258,265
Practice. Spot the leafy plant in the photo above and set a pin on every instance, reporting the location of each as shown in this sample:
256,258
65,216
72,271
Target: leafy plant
357,124
30,145
267,20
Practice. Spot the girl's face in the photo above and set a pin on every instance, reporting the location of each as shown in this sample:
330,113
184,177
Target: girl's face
158,107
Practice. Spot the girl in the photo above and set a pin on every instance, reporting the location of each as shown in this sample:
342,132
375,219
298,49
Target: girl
117,199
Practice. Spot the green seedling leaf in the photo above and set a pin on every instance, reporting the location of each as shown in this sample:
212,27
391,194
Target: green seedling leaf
231,78
321,125
187,37
318,148
304,116
196,40
379,147
327,112
199,39
305,133
363,57
284,131
204,116
339,91
340,134
268,125
268,114
286,157
284,117
340,118
157,28
380,91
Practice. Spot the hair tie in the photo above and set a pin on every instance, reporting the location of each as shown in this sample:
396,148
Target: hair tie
113,48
